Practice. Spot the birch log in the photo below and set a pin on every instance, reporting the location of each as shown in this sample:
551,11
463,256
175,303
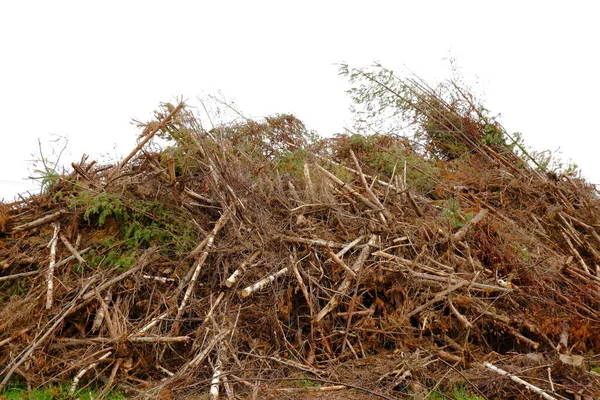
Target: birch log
234,277
264,282
516,379
50,280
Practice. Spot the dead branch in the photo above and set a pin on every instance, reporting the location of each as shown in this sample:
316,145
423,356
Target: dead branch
345,285
70,247
147,136
438,297
516,379
18,276
315,242
458,236
85,370
50,276
234,277
464,321
40,221
263,282
369,191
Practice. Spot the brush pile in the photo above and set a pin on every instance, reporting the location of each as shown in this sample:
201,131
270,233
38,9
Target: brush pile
258,260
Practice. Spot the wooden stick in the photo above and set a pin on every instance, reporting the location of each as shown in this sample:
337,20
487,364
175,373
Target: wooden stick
215,381
349,246
444,355
151,323
438,297
17,276
464,321
211,236
70,258
99,318
341,183
264,282
379,181
111,328
368,311
39,222
339,262
212,308
309,184
146,139
575,252
312,389
316,242
159,339
234,277
70,247
293,263
199,197
522,338
458,236
202,354
413,203
516,379
139,264
345,285
84,371
199,263
368,189
160,279
50,276
563,343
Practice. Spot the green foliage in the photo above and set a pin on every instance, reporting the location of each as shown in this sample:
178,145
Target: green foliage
100,207
292,162
305,383
453,213
18,391
17,288
522,251
46,168
493,136
447,120
48,178
139,224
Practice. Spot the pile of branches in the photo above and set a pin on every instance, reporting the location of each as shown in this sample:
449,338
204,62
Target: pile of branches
254,257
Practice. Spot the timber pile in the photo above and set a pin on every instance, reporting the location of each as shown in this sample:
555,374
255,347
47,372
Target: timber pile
241,260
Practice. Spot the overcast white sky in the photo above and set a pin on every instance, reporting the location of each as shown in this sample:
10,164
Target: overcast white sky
84,69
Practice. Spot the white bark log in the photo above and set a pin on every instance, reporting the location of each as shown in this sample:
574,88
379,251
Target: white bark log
200,262
234,277
263,282
50,280
516,379
84,371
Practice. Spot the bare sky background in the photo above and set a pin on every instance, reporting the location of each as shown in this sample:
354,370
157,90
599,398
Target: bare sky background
83,70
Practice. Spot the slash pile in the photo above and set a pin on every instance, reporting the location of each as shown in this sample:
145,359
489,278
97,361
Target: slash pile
256,259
